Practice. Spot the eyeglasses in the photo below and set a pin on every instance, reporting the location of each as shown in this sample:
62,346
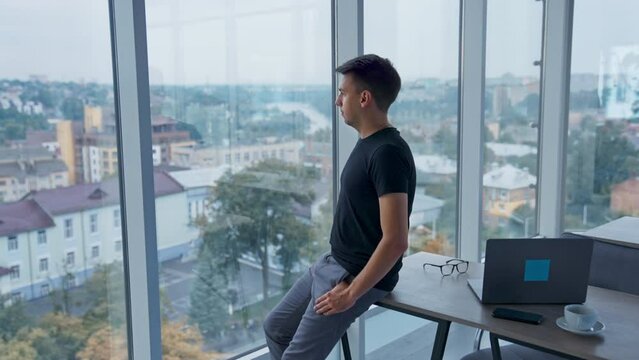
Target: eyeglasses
453,264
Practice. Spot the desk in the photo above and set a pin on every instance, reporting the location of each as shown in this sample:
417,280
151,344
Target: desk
426,294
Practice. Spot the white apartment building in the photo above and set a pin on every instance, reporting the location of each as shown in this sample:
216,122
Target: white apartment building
237,155
99,161
198,184
55,238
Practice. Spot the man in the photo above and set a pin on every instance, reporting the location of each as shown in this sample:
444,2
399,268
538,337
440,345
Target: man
370,226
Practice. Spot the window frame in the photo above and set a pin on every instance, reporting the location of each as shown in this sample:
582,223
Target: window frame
93,252
12,243
45,261
93,223
14,274
70,255
42,288
42,237
68,228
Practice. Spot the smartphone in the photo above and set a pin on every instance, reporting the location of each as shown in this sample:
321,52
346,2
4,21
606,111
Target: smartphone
518,315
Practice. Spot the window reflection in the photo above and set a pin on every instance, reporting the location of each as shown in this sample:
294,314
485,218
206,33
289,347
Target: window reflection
513,54
603,130
58,294
426,108
248,85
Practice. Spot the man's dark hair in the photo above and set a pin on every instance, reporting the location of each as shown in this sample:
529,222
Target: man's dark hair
376,75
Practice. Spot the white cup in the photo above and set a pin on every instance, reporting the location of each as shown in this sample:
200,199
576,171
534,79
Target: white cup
580,317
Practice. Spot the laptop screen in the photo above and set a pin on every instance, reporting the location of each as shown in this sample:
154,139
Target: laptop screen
539,271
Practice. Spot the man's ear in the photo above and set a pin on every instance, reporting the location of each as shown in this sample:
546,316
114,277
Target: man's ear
365,98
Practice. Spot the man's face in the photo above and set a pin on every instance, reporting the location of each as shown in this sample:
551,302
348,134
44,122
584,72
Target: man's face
348,100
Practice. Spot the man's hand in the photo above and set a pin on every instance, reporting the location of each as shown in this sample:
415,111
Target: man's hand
335,301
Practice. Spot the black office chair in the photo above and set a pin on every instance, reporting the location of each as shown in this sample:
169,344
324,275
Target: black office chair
612,267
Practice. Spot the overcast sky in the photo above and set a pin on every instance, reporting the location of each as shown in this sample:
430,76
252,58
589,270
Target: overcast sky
288,41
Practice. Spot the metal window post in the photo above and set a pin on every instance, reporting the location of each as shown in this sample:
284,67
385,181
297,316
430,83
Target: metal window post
135,165
472,63
555,94
348,42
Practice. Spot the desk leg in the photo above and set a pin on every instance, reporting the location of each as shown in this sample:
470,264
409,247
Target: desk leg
440,340
494,346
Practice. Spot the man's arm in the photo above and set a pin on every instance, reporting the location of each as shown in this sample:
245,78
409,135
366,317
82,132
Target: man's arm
393,214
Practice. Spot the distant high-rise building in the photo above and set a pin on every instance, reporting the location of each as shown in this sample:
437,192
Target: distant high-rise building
500,100
89,148
65,137
92,119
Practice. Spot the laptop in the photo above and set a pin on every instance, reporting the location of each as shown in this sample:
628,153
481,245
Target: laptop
535,271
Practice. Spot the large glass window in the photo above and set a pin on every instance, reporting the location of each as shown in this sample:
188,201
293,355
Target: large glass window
56,113
421,38
603,132
231,79
511,118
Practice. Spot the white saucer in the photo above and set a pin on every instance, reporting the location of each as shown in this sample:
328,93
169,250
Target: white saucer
595,329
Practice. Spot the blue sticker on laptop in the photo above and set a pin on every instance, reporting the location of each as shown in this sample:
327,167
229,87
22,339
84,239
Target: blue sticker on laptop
537,270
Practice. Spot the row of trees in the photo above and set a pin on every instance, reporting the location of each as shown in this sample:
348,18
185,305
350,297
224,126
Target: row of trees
58,99
99,333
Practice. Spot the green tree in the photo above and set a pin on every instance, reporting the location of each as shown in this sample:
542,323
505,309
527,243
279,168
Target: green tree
217,265
510,116
105,344
321,231
581,164
179,342
193,131
73,108
13,317
104,292
528,162
59,337
17,349
446,142
268,194
62,298
616,159
531,105
182,342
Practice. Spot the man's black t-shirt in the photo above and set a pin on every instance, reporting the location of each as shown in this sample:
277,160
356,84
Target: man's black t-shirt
380,164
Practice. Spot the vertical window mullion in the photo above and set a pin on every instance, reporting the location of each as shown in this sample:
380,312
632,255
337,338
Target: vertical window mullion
135,162
471,127
555,84
348,43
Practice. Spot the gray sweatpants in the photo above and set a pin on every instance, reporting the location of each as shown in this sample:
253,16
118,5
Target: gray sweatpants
293,329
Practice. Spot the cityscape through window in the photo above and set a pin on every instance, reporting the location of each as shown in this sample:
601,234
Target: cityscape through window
243,149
